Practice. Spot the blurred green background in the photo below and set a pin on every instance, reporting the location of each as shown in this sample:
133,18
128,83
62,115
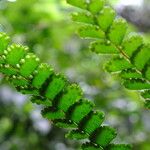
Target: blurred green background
45,26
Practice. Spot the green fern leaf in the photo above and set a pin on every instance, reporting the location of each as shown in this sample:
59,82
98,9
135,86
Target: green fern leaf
41,101
136,84
89,31
17,51
92,121
117,31
103,47
76,135
95,5
41,75
130,73
78,3
132,43
118,64
4,42
103,136
107,15
83,17
63,102
133,60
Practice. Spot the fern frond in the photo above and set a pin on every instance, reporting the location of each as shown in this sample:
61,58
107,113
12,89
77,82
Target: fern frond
110,34
63,102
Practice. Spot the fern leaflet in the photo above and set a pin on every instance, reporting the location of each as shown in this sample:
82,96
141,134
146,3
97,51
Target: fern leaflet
131,55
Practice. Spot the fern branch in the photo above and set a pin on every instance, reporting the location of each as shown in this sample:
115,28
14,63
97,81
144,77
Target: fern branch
63,102
111,36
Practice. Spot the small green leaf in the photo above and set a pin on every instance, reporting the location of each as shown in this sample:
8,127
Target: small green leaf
117,31
8,70
105,17
28,65
80,110
95,6
4,41
76,134
103,47
65,124
83,17
132,43
142,57
89,31
117,64
78,3
18,80
73,94
136,84
52,114
103,135
55,86
40,101
91,122
130,73
41,74
15,53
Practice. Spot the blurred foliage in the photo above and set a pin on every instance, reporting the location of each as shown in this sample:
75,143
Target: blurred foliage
45,26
